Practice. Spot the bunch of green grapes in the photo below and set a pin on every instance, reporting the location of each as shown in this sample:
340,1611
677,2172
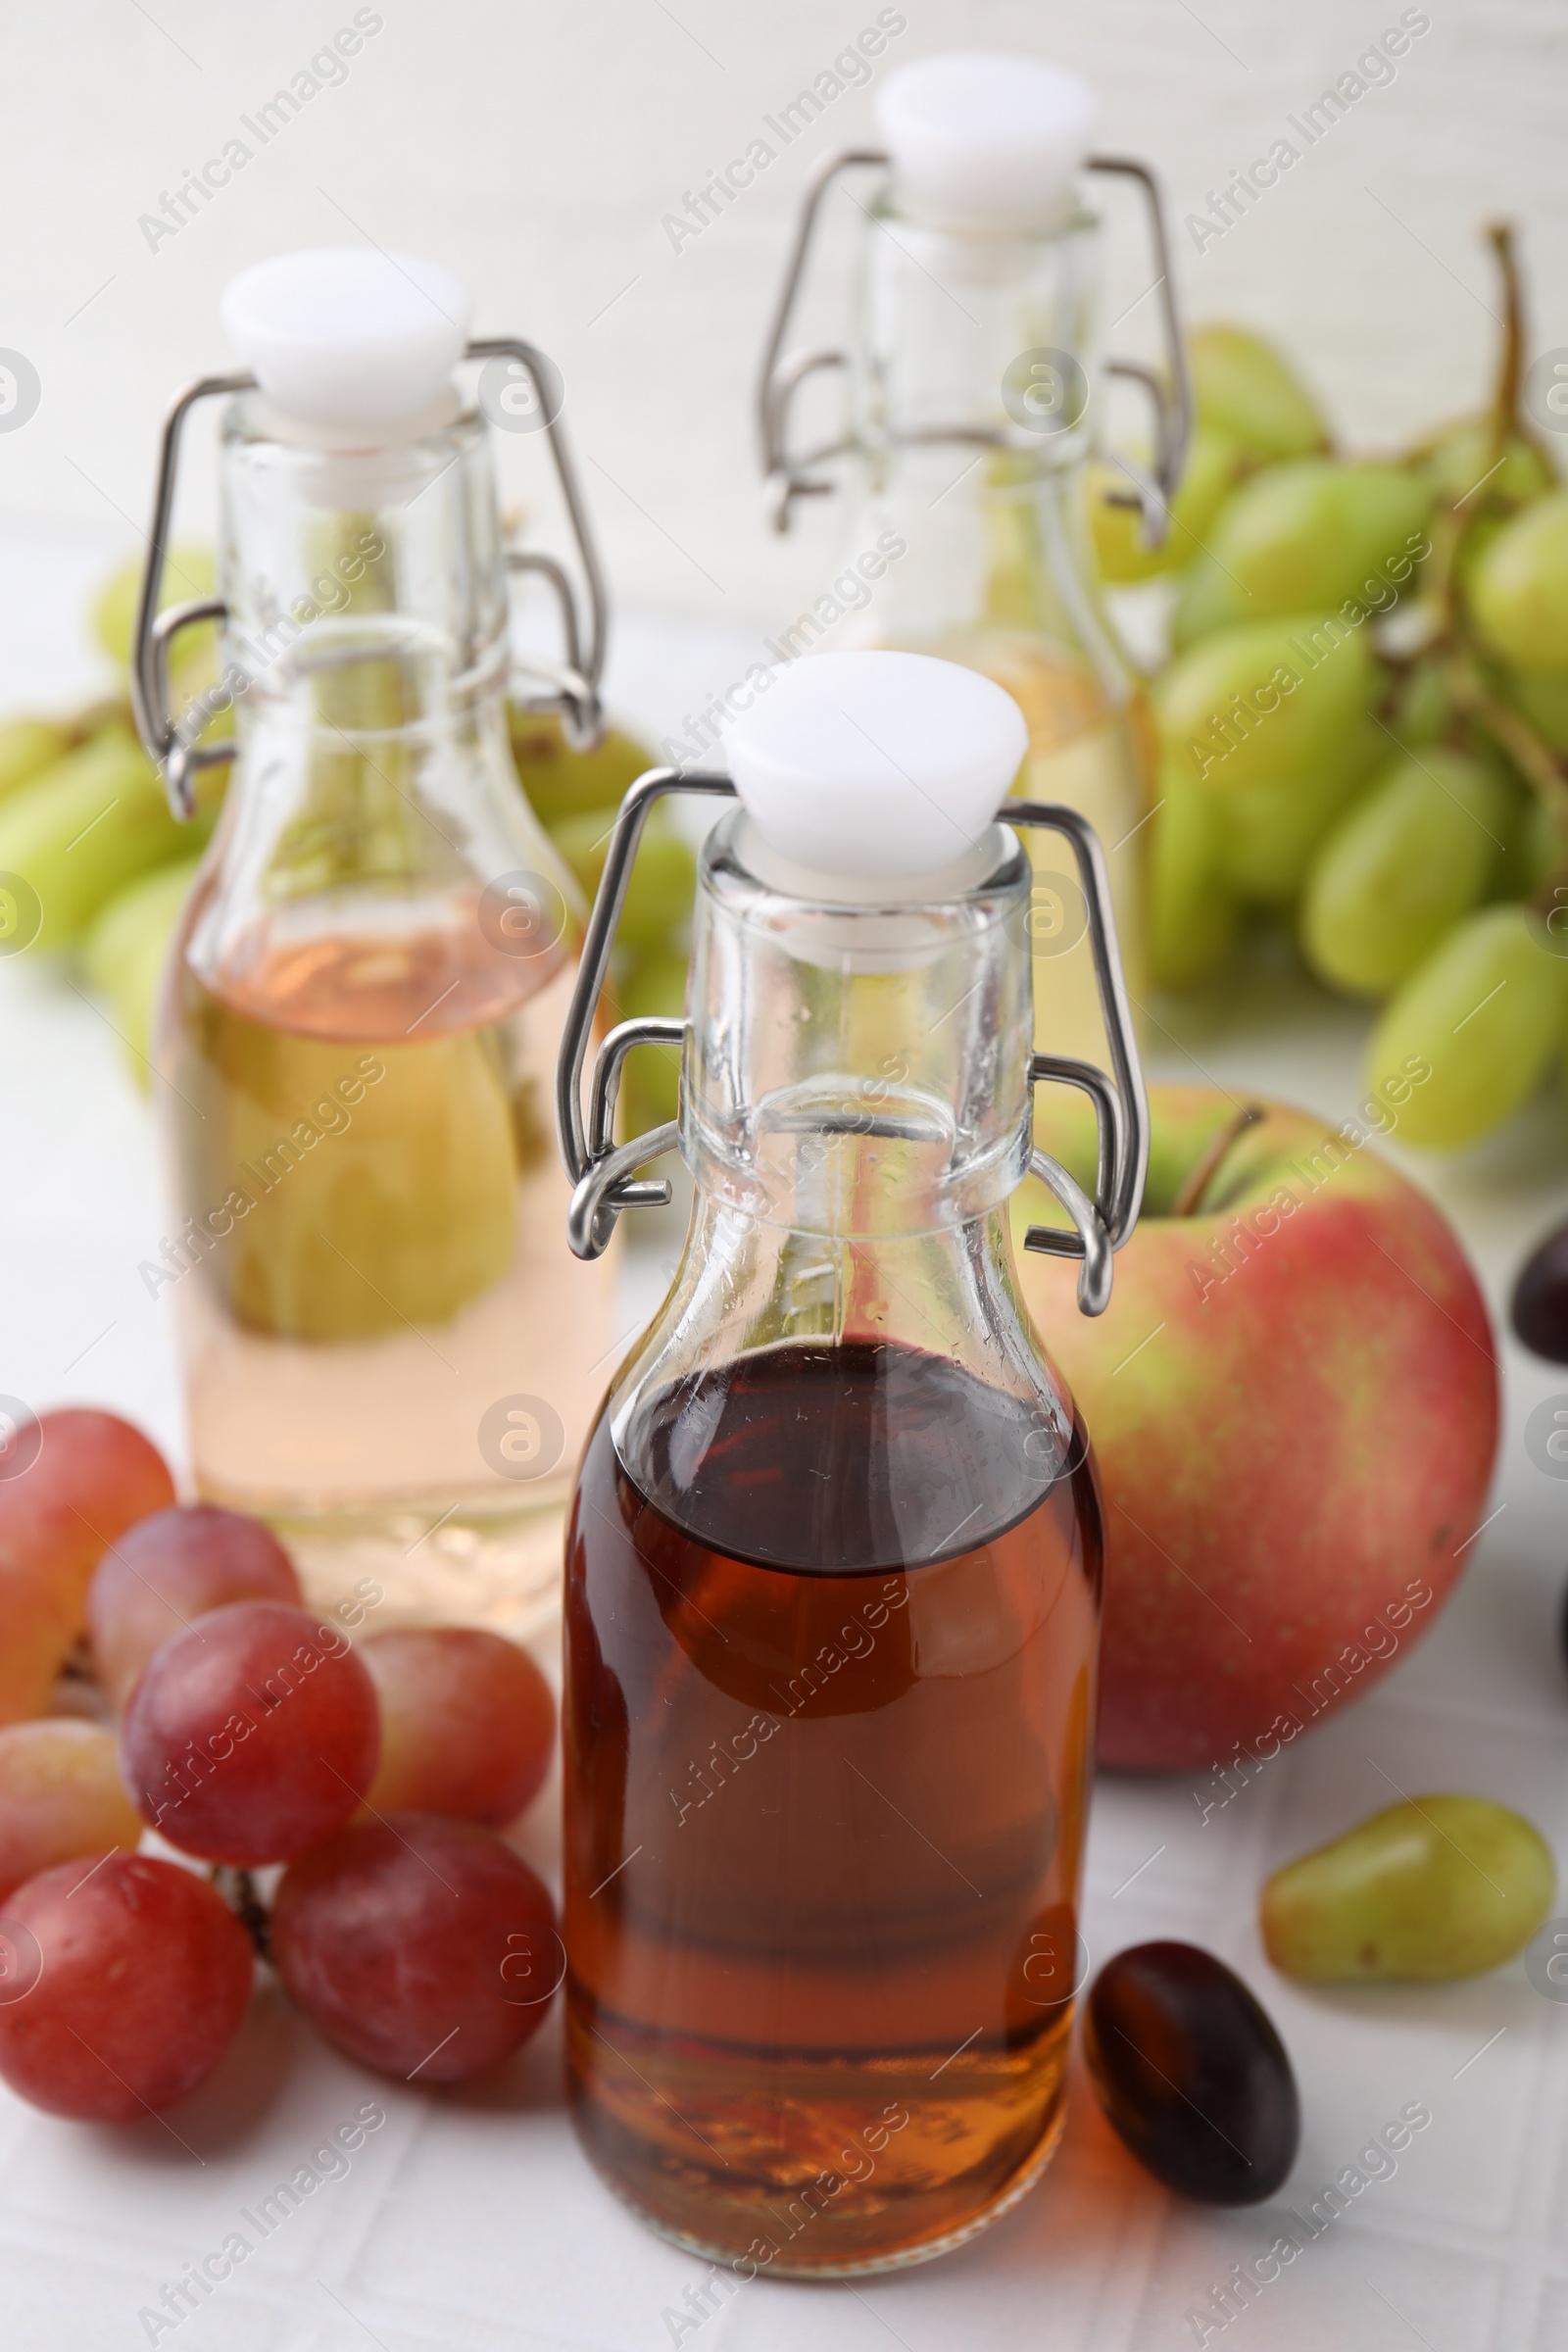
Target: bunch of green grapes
83,820
1364,725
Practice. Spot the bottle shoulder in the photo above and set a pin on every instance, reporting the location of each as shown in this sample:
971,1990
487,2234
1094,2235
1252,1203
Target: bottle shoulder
839,1457
937,559
378,892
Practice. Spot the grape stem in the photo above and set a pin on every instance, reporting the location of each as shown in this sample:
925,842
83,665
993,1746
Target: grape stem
1530,752
1506,429
1510,365
238,1891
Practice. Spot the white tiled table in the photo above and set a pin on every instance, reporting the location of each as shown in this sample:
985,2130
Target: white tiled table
468,2218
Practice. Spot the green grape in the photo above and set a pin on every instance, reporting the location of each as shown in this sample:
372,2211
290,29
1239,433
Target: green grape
1461,457
1400,869
1544,700
1192,911
1214,463
188,573
1421,706
649,1085
663,875
561,782
26,746
123,955
1484,1015
1274,830
92,822
1518,589
1434,1887
1474,537
1205,604
1532,846
1275,699
1310,536
1245,388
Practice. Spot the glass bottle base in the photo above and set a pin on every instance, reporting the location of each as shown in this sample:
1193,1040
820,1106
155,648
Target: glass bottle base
418,1564
814,2166
789,2262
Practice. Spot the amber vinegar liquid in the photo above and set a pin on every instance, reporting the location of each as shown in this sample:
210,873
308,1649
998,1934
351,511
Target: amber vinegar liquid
822,1940
376,1258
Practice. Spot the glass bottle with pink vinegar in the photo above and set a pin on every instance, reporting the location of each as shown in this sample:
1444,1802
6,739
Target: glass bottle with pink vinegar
387,1351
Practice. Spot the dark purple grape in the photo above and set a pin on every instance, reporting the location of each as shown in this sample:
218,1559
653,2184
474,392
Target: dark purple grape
1540,1310
1192,2074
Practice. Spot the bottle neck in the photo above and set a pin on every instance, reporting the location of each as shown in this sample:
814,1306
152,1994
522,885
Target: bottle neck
858,1072
975,400
972,343
366,589
373,797
854,1112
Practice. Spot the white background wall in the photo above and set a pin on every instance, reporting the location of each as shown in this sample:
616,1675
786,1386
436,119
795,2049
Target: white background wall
536,148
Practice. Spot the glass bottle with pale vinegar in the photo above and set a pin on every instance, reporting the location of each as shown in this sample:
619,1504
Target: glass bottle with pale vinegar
387,1351
834,1555
975,403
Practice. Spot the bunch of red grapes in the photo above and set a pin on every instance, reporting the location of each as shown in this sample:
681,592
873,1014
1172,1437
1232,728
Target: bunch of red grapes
249,1733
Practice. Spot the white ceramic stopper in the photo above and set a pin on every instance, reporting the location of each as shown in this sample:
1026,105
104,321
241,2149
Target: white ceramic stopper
345,339
985,143
874,766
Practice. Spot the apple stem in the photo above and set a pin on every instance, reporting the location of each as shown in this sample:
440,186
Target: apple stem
1197,1179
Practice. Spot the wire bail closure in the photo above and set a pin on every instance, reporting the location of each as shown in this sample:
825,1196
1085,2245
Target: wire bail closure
604,1174
788,476
572,686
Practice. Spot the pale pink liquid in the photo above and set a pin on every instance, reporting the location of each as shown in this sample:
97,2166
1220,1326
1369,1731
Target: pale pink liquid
382,1101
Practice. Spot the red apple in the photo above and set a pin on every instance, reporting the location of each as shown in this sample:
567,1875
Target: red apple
1293,1402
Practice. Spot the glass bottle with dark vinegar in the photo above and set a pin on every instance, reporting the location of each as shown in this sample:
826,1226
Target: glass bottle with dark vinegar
833,1562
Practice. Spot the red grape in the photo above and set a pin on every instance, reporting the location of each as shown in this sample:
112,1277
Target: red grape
250,1734
468,1723
169,1569
127,1985
70,1482
41,1624
422,1947
61,1794
93,1477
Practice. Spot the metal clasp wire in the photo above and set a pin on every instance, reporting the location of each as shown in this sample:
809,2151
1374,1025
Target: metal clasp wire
604,1174
572,688
787,476
1103,1225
